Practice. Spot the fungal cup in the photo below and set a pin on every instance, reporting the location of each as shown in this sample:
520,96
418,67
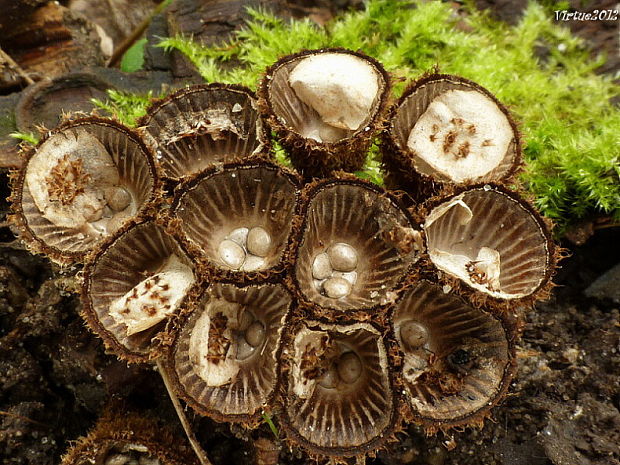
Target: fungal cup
240,217
448,130
225,357
458,361
325,105
490,239
357,243
201,125
340,88
122,438
339,396
133,285
82,184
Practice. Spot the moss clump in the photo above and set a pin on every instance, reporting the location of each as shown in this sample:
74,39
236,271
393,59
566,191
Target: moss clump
27,137
537,68
126,107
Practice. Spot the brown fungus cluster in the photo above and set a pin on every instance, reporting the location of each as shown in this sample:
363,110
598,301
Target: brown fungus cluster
344,309
120,438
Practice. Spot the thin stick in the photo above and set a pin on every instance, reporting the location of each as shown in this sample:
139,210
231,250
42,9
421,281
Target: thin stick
118,53
20,417
13,64
606,225
198,450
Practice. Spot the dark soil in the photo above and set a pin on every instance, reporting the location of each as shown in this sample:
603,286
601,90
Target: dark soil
563,408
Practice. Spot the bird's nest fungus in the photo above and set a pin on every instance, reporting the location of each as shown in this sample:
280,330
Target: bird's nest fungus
345,308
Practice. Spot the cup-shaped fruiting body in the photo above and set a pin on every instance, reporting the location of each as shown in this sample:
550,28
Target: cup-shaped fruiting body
339,398
133,285
325,105
45,103
356,245
457,362
224,361
127,439
81,184
492,240
201,125
239,217
449,130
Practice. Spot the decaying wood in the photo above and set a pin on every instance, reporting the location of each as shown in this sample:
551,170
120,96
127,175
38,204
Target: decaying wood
49,42
212,22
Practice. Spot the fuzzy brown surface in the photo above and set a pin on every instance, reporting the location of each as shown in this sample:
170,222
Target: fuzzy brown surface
119,427
56,378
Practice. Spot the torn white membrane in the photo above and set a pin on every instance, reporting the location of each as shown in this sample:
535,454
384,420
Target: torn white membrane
71,177
216,122
153,298
478,266
340,87
462,134
213,349
415,364
309,346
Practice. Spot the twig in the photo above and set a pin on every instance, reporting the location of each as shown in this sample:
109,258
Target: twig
606,225
34,422
119,51
13,64
200,453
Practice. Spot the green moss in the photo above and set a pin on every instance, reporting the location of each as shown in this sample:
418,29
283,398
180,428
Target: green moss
126,107
267,419
537,68
280,154
27,137
372,167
